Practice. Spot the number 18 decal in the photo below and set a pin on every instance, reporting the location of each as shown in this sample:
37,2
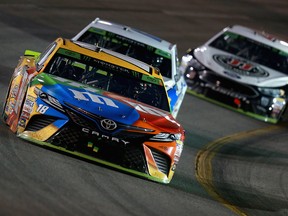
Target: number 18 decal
42,108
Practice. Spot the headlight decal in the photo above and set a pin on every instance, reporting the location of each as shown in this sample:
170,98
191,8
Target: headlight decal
166,137
48,99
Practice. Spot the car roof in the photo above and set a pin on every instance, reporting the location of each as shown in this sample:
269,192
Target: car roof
260,36
132,33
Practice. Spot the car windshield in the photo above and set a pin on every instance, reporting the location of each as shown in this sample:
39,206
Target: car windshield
109,77
252,50
135,49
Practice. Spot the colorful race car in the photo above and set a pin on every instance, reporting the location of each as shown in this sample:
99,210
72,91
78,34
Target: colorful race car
96,104
241,69
144,47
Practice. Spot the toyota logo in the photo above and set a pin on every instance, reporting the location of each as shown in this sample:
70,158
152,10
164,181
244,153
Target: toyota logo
108,124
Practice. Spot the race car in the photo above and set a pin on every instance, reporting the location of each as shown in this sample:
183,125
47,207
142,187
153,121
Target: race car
144,47
98,105
242,69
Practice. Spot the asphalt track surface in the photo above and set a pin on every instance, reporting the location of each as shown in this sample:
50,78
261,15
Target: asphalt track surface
231,164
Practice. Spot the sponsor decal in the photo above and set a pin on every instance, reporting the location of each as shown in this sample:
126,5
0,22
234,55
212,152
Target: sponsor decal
22,122
102,136
100,99
9,109
23,119
108,124
224,91
25,115
28,105
179,148
177,154
87,96
240,66
278,104
14,91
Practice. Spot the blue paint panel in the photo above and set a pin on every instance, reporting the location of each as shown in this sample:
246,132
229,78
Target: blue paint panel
173,96
60,123
95,103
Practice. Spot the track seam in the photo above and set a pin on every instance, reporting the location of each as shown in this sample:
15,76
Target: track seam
204,169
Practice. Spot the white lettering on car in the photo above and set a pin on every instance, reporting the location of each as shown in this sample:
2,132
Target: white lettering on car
102,136
42,108
87,96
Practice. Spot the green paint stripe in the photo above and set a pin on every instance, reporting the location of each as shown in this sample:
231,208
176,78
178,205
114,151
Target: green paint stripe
98,31
69,53
151,79
163,53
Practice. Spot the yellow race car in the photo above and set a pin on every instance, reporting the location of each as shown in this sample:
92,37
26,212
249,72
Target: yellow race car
95,104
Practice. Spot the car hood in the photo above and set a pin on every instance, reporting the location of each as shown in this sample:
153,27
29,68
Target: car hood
105,104
239,69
